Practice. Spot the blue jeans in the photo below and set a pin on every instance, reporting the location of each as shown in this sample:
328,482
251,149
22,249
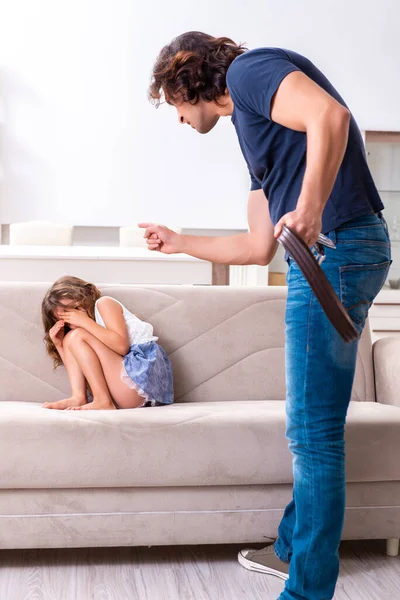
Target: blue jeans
319,377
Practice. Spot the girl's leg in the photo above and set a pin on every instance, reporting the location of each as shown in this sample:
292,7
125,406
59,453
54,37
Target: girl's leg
77,382
102,368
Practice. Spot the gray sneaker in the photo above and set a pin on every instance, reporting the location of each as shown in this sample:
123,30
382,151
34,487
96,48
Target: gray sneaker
264,561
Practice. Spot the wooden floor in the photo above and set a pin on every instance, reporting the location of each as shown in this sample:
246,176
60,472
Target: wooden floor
178,573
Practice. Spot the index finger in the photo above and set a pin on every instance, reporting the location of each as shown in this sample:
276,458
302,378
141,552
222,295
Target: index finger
144,225
151,228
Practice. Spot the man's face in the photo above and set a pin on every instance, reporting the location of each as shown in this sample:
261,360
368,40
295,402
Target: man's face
202,116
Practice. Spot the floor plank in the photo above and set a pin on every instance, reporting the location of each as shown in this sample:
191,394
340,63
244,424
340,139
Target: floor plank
178,573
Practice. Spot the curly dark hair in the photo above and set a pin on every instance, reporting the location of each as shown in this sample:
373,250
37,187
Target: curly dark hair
193,67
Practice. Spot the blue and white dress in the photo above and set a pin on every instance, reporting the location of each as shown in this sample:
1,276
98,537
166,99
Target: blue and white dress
146,368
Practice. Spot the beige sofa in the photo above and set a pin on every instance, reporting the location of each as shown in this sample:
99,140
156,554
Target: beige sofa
212,468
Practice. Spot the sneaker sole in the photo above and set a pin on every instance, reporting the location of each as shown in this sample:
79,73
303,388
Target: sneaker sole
253,566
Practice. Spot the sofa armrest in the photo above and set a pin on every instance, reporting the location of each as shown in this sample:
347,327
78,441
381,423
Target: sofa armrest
386,359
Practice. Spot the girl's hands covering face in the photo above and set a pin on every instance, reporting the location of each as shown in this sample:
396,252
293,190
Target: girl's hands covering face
74,317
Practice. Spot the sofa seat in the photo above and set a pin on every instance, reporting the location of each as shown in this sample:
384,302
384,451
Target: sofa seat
193,444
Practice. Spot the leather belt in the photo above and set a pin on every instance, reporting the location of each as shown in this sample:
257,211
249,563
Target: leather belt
319,284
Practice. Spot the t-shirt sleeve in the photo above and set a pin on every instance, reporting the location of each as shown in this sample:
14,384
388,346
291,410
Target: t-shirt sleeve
254,77
254,184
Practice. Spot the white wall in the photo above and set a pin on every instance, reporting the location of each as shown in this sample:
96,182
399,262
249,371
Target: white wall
81,143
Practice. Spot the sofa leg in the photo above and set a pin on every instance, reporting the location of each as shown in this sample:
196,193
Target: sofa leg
392,546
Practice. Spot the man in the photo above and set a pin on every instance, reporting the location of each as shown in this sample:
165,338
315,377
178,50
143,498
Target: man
308,170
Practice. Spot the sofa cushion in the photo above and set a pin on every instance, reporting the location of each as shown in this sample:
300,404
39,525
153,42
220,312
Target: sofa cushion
224,343
199,443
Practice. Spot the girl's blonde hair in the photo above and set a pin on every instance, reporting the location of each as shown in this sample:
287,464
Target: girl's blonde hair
81,294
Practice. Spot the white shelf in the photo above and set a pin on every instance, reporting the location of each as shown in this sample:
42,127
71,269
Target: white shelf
388,296
91,253
384,314
101,264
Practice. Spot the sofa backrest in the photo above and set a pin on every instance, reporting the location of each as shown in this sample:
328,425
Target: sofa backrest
225,343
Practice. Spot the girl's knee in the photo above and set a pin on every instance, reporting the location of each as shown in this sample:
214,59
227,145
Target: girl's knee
74,335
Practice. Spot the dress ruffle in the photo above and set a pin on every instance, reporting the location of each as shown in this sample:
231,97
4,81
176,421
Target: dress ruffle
147,369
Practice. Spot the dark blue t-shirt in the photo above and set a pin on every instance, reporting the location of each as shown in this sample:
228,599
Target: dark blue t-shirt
276,155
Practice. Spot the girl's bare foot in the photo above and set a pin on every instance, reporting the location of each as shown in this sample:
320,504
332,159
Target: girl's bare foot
97,404
72,402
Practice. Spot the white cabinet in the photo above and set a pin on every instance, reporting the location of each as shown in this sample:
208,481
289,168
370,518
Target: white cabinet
108,264
384,315
383,155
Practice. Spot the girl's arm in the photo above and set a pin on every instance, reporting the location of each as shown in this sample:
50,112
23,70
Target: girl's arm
115,336
61,353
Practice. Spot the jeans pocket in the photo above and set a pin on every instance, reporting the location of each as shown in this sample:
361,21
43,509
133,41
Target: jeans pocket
385,226
359,284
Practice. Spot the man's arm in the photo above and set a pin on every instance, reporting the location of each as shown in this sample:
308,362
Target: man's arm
258,246
302,105
261,229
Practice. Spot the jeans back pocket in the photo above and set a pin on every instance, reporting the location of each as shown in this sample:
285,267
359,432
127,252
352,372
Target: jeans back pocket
359,285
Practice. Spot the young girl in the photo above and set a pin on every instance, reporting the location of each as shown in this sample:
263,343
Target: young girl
104,347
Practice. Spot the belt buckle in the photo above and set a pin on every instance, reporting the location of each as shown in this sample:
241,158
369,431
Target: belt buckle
325,241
